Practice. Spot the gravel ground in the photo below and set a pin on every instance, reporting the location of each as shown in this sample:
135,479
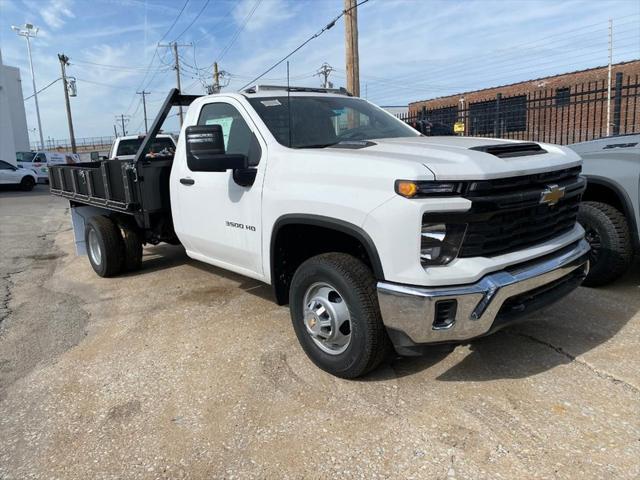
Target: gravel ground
186,371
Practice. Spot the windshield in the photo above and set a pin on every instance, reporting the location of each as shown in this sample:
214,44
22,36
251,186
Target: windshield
318,122
131,146
25,156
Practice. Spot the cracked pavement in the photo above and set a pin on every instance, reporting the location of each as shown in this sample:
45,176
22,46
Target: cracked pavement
186,371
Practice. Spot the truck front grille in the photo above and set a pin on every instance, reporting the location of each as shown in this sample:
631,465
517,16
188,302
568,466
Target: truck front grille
510,215
508,231
507,214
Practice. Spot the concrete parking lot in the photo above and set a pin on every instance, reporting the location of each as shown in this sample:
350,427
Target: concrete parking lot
186,371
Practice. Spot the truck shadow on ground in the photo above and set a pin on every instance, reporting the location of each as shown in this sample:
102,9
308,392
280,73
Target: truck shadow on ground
534,347
515,352
165,256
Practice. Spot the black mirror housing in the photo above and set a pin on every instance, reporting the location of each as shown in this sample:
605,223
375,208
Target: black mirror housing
206,153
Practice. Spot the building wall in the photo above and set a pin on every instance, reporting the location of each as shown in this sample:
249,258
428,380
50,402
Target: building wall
14,135
583,117
16,108
7,144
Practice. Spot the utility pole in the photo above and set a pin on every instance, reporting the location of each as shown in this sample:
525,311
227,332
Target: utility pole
123,119
216,78
324,71
351,47
174,46
215,87
144,108
115,131
28,31
609,76
64,61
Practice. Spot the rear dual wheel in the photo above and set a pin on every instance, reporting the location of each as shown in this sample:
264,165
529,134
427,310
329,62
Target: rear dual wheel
110,248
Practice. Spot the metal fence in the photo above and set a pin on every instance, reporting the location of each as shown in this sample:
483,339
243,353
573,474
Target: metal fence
85,144
561,115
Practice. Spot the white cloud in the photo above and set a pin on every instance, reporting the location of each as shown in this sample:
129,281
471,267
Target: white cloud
56,13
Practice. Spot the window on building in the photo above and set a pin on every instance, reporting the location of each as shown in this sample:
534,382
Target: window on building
482,117
563,96
513,113
444,115
510,115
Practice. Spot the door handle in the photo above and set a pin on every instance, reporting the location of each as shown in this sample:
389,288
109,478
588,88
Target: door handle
187,181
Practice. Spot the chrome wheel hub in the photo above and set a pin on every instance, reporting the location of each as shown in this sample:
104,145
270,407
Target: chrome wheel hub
94,247
326,318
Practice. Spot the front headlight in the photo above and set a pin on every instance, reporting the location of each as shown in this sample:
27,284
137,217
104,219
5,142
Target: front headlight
440,242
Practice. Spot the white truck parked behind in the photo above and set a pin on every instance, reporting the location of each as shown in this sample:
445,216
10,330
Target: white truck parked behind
125,148
375,235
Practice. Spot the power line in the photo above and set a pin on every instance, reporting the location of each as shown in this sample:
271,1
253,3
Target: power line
223,18
155,53
102,84
107,66
42,89
194,20
516,49
487,82
506,65
174,21
314,36
238,31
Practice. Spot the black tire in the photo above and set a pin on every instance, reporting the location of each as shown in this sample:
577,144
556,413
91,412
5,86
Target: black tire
607,231
132,250
27,183
369,344
110,243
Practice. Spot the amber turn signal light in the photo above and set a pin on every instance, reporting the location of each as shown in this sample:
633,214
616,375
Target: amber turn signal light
406,188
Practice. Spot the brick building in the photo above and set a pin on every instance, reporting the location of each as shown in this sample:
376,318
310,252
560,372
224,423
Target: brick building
562,109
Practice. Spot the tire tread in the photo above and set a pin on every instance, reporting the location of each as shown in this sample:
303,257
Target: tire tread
620,253
356,273
113,245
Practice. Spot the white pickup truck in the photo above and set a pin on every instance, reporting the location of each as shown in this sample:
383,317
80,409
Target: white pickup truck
125,147
375,235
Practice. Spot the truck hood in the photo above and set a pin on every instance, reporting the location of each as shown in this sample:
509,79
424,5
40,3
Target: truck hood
452,158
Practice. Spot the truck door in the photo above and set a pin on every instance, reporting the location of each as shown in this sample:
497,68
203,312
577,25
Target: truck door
219,221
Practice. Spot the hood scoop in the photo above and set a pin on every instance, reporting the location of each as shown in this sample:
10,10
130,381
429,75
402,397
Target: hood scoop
508,150
353,144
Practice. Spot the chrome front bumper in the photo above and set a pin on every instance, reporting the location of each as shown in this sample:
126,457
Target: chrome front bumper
409,312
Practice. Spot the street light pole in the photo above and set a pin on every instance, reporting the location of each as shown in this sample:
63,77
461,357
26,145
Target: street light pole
28,31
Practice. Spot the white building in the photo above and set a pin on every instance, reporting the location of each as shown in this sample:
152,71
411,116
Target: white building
14,136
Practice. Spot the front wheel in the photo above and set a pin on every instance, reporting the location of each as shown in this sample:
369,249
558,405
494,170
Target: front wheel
336,317
27,183
607,232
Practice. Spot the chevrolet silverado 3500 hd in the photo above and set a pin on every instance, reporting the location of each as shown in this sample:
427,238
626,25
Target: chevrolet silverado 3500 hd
375,235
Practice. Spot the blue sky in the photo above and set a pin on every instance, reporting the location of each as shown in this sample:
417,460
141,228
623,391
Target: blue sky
409,49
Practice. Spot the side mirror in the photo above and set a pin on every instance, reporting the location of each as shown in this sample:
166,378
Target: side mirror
205,150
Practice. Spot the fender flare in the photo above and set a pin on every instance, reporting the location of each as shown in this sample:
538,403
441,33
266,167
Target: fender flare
625,200
332,224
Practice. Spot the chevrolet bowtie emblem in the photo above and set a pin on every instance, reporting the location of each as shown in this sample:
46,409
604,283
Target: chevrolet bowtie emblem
552,194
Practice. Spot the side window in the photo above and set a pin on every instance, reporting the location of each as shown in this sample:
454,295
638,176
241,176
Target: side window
40,158
238,137
5,166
